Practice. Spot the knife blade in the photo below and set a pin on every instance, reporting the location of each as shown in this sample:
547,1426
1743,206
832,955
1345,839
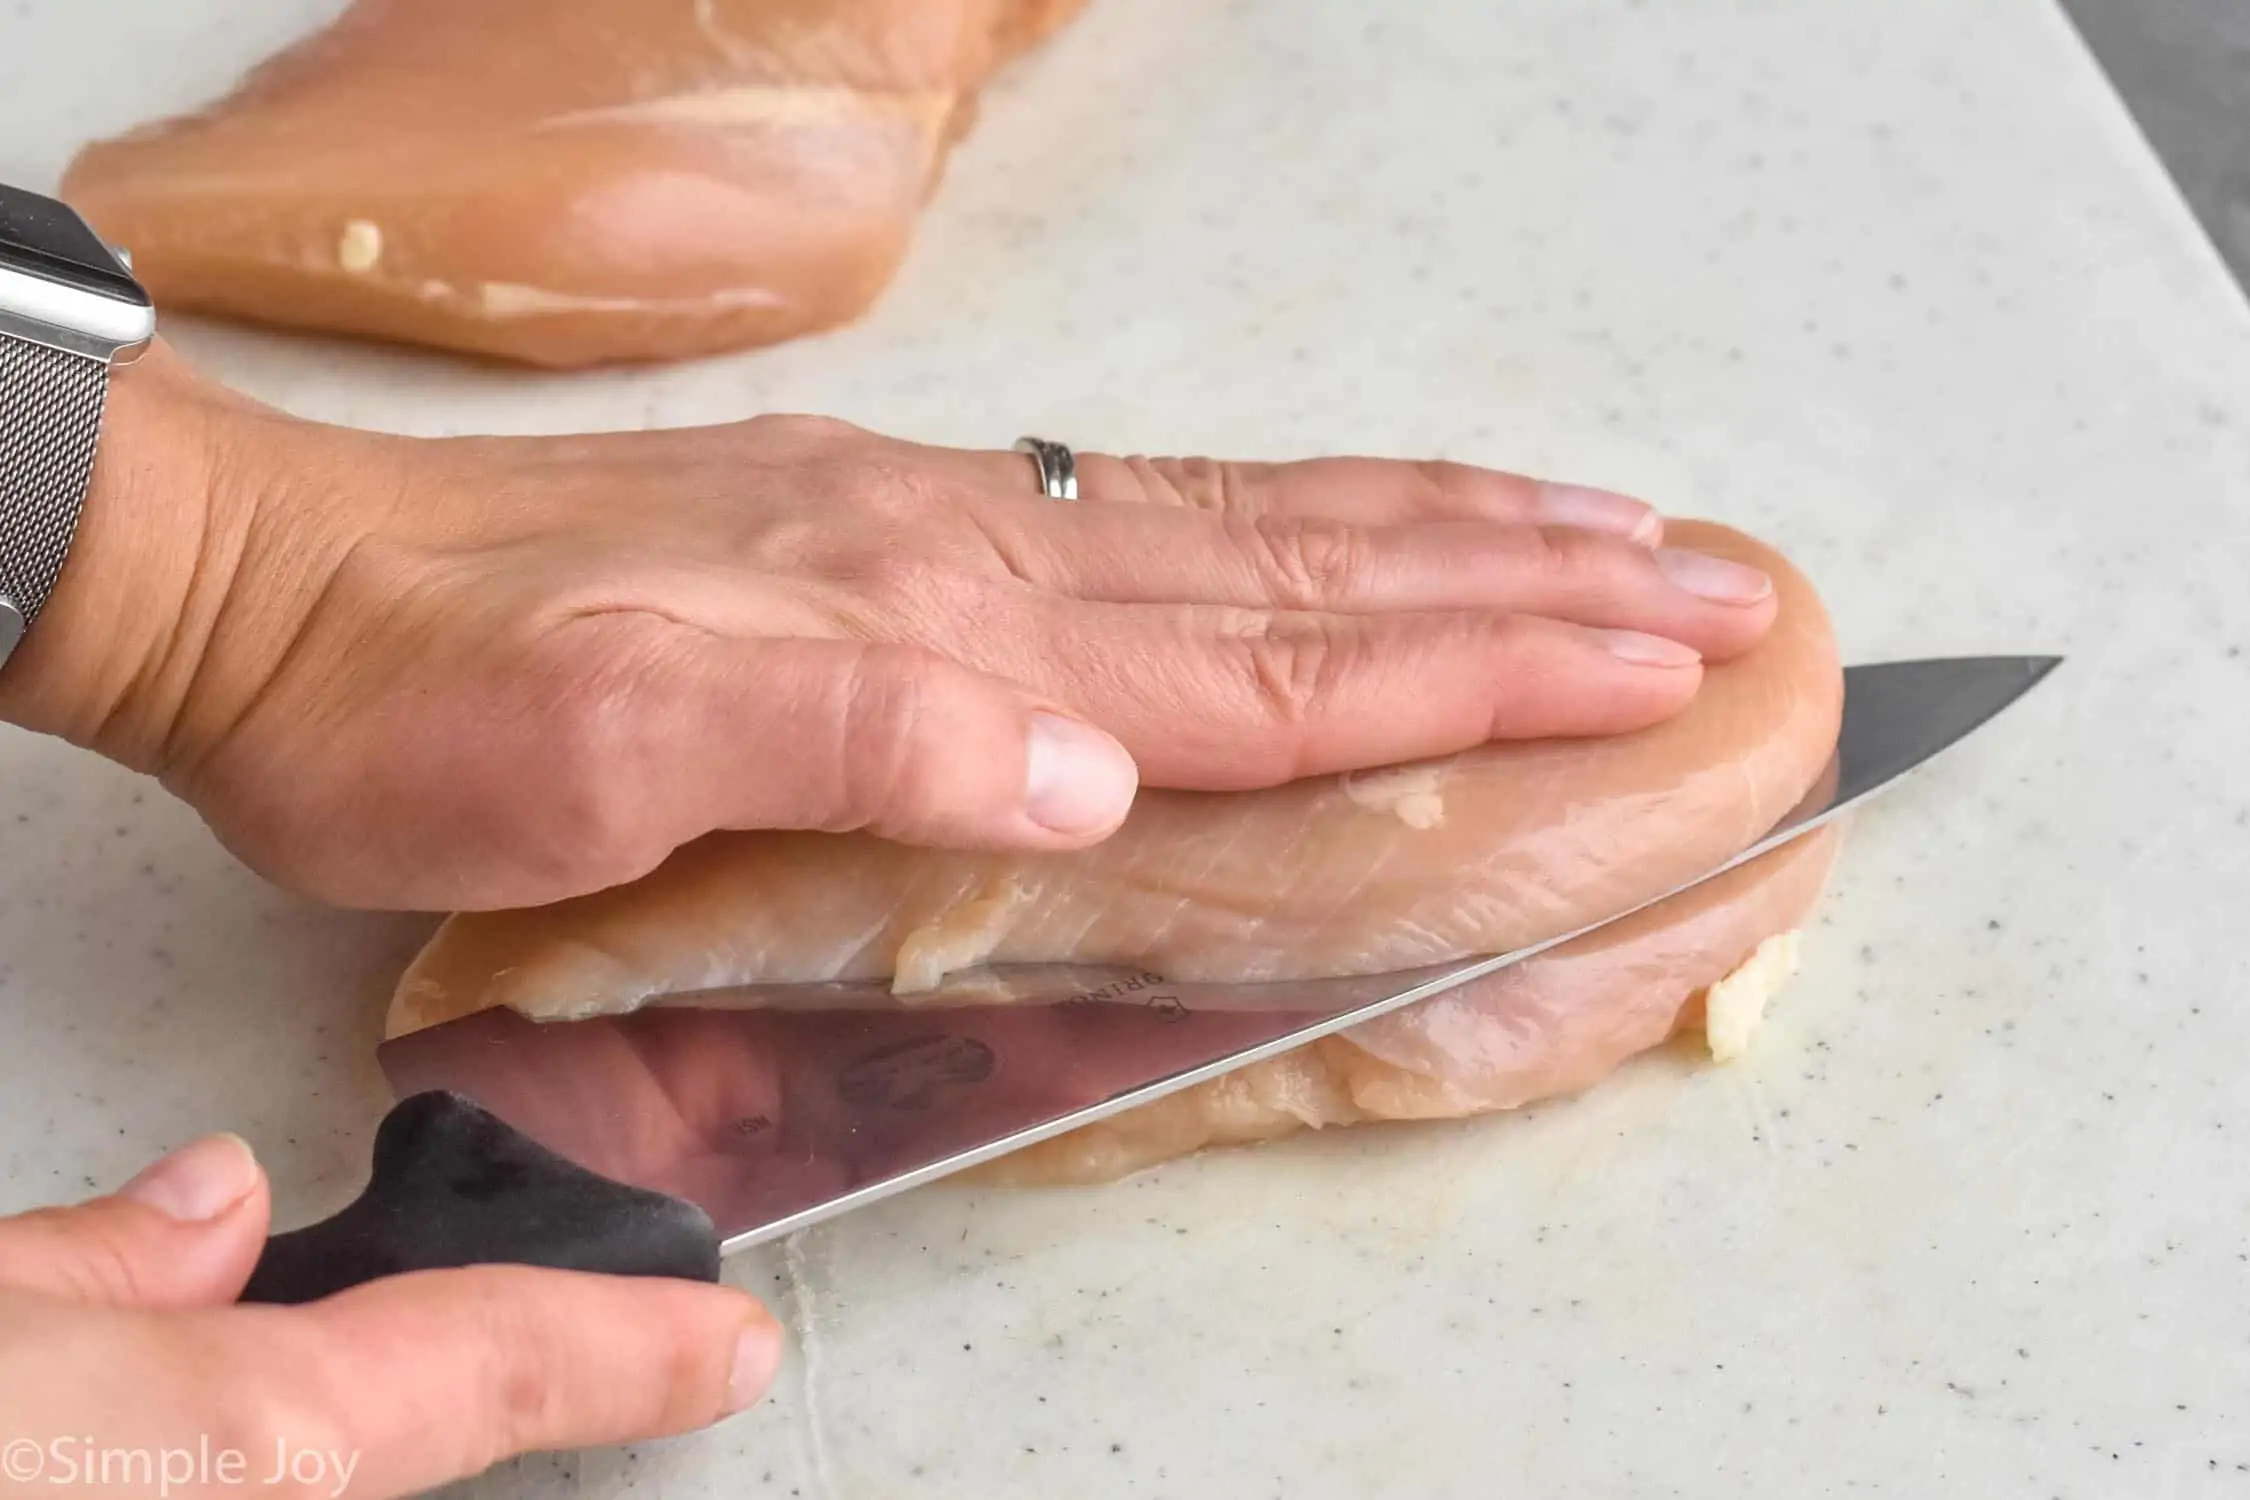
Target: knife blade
653,1142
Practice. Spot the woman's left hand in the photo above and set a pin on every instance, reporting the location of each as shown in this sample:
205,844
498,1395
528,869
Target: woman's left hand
500,671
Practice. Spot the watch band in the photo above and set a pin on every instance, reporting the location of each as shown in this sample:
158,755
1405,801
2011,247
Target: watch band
50,416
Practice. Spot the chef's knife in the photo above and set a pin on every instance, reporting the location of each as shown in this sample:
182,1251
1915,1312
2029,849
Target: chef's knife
652,1143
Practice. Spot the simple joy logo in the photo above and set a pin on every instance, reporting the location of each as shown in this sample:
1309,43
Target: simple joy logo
72,1462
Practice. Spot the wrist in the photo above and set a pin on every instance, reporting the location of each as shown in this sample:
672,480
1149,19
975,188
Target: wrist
123,647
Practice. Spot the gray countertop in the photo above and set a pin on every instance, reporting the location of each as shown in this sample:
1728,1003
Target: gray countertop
1893,282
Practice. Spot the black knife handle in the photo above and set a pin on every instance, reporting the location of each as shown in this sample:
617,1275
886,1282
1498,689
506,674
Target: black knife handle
454,1185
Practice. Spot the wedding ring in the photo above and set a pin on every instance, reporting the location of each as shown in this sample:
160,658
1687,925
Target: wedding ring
1058,469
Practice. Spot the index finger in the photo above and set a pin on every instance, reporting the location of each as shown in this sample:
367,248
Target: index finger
435,1376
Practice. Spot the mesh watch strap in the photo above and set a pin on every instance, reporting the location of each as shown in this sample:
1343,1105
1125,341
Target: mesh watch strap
50,414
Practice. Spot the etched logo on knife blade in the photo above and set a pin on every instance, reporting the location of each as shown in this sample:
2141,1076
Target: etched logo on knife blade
1134,989
918,1074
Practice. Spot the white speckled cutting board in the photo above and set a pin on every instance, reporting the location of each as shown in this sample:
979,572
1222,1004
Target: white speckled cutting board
1891,281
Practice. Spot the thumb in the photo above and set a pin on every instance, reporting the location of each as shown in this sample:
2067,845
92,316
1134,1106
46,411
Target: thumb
895,740
183,1233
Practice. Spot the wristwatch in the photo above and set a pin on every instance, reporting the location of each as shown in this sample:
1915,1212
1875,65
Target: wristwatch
70,310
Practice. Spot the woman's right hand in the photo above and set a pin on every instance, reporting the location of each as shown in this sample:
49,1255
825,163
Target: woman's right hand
127,1370
500,671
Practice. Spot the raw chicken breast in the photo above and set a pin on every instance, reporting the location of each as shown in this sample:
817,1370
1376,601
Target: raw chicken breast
1476,853
757,1115
1550,1025
562,184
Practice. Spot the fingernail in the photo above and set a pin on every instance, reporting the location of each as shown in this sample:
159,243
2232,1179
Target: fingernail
757,1359
1600,510
200,1181
1713,578
1648,650
1079,780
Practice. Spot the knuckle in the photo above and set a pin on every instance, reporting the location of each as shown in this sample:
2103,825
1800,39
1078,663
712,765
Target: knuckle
1443,481
882,526
1310,564
1195,483
88,1261
1290,665
502,1378
882,779
1566,556
1164,481
588,813
1199,482
798,431
100,1268
789,542
518,1386
682,1371
535,1381
583,742
880,485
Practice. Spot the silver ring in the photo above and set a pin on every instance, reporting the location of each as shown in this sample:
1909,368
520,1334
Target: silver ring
1058,469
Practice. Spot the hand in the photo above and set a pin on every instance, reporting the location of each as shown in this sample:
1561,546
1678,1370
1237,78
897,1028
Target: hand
497,672
117,1335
